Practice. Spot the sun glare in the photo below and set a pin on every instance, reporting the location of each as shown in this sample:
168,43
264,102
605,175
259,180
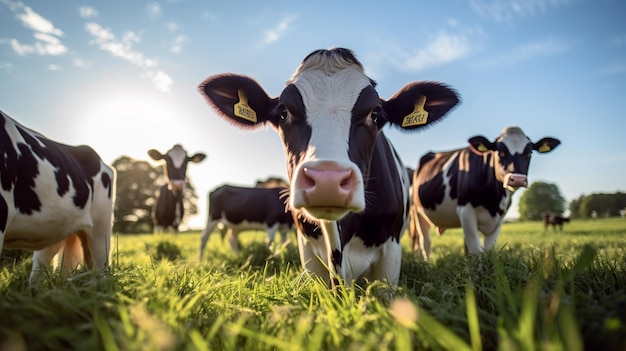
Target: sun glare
127,124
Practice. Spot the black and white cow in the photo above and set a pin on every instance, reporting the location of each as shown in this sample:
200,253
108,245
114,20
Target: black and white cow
236,209
471,188
168,210
348,188
55,199
554,220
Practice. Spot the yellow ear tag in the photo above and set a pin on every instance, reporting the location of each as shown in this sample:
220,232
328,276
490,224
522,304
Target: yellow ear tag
482,148
418,116
544,148
242,109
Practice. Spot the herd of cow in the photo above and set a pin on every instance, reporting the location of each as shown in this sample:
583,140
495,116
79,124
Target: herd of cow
349,195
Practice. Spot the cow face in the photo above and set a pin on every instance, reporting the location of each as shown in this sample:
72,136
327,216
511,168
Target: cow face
328,117
175,167
511,153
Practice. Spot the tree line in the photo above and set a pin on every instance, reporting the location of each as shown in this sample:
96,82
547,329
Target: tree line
541,198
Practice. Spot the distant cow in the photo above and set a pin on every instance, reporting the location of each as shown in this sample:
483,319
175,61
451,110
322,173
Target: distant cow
471,188
554,220
348,187
55,199
168,211
236,209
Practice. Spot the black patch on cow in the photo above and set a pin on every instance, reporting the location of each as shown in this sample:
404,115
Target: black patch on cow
164,211
8,157
363,130
478,185
432,189
337,257
4,214
107,183
293,127
25,198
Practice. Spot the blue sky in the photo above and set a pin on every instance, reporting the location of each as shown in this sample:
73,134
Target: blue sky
122,76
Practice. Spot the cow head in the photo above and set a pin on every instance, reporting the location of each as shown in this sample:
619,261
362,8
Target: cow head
511,153
328,117
175,166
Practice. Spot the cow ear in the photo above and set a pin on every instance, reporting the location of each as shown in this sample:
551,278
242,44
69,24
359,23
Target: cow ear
197,157
419,104
480,144
156,155
239,99
546,145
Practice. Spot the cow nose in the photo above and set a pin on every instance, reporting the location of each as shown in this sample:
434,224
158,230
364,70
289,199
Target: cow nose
178,185
518,180
327,184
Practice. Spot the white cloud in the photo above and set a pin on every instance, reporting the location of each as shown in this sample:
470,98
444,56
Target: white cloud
54,67
154,10
274,34
506,10
46,35
36,22
178,43
80,63
87,12
443,49
171,26
106,40
6,66
525,52
21,49
161,80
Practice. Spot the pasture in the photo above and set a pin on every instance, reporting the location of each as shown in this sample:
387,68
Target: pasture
536,291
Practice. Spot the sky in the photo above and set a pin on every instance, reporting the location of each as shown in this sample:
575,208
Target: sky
122,76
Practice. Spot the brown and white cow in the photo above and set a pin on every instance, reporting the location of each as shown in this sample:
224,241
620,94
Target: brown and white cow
55,199
236,209
471,188
168,210
348,187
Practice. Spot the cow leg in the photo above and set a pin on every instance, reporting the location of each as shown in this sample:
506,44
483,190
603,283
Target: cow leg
334,253
205,235
312,252
423,230
467,217
271,235
388,266
233,239
42,258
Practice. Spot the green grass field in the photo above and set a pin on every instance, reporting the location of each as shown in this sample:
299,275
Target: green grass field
535,291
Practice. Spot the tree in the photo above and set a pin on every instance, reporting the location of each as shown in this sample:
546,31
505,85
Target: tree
137,183
136,188
541,198
605,205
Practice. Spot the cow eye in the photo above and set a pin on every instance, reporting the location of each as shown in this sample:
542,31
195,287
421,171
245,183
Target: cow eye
283,113
374,116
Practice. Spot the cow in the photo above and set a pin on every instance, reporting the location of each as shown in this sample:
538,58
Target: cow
348,187
554,220
55,199
471,188
235,209
168,210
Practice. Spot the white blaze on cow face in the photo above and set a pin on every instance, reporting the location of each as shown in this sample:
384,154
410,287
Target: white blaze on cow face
517,160
326,184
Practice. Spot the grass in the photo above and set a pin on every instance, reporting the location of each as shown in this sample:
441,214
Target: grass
535,291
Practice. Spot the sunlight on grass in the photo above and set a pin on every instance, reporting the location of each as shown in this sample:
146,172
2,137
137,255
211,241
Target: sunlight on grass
536,290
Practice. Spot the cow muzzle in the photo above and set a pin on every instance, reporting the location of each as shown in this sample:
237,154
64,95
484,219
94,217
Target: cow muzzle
327,190
513,181
177,185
